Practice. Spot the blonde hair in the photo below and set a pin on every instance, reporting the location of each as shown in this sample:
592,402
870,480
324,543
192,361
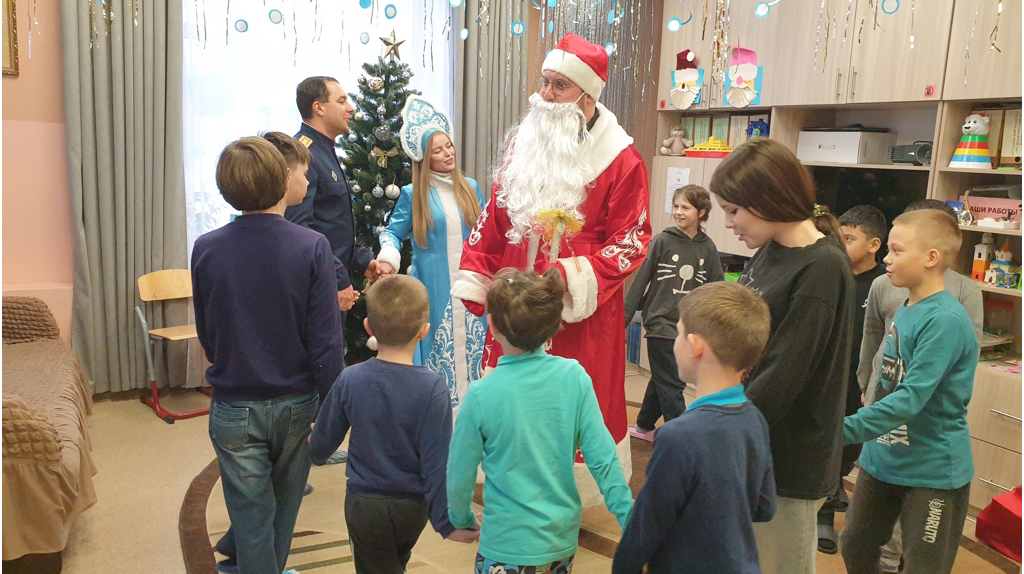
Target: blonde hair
733,320
526,308
935,230
397,307
465,195
251,174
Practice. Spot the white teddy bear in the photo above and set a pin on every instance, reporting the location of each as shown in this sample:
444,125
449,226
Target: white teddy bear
976,125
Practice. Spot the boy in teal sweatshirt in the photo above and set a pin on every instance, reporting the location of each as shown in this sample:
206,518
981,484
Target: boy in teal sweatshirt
524,422
916,464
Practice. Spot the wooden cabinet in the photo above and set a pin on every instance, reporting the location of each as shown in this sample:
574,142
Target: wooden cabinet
804,61
996,471
688,37
994,414
884,67
989,73
700,171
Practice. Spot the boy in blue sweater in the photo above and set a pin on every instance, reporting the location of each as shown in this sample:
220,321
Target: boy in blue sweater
401,421
267,317
916,464
710,476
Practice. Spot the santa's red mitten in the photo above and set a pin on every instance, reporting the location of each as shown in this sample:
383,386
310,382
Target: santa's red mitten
474,308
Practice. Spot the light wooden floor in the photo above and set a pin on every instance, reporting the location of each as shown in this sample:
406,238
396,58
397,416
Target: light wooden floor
146,465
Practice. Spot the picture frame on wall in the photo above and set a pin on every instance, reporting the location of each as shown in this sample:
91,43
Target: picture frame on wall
10,30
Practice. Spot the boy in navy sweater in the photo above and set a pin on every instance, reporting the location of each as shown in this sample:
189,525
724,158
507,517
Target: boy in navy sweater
710,476
401,421
267,317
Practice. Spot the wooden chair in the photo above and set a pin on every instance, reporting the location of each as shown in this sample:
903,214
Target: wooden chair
164,286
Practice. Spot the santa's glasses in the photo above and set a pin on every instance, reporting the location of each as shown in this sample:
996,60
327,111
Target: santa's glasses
556,87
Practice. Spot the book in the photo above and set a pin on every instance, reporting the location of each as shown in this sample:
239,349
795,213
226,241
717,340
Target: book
687,124
720,128
995,131
1010,153
701,129
738,130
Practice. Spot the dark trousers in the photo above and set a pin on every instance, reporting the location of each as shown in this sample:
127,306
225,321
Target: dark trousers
664,396
382,531
264,462
851,453
932,520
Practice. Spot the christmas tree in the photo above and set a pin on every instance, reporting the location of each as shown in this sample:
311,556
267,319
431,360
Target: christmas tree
377,168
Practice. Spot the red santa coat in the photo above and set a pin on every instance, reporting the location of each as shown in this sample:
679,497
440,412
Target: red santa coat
595,263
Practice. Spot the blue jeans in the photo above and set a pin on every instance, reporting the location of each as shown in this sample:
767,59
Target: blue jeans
264,464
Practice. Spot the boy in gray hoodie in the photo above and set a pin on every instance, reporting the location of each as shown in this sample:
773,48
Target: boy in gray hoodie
679,259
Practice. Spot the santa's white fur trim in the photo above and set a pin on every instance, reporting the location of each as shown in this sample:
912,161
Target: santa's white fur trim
390,255
590,494
572,67
581,300
609,140
471,286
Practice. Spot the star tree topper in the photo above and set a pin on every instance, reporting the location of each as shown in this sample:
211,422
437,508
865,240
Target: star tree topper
391,46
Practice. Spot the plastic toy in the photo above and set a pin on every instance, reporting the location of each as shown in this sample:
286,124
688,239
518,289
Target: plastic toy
1001,271
711,148
972,152
983,256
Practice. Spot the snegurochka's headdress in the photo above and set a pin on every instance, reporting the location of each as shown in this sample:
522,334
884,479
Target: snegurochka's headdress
420,120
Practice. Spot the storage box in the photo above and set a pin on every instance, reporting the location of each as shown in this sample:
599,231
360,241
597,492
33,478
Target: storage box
845,147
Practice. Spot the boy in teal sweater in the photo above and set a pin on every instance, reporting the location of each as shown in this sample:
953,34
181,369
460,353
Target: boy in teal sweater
524,422
916,464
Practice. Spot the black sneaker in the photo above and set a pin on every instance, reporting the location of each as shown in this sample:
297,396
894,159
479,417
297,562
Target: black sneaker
229,566
308,490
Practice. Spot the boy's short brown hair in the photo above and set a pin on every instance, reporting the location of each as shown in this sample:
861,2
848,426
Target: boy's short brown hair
397,307
733,320
935,229
526,308
251,174
294,152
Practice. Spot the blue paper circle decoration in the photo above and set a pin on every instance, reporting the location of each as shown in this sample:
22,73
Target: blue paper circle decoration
390,11
518,27
364,38
674,24
365,3
464,33
886,10
455,3
552,3
610,48
551,26
241,26
762,10
611,16
275,16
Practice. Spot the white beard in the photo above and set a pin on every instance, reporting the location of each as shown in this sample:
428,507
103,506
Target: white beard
545,167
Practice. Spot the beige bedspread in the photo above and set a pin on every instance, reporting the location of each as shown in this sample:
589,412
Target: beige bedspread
46,482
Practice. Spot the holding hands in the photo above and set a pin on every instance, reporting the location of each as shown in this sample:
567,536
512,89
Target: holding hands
347,298
385,269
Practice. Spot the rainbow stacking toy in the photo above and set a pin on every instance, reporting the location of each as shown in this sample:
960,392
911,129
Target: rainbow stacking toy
972,152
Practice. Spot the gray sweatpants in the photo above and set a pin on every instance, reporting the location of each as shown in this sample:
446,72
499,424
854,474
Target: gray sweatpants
932,522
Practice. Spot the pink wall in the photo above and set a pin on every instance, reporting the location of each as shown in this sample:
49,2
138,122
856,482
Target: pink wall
37,224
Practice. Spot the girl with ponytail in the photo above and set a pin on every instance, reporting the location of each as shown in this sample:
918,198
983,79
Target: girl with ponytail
802,272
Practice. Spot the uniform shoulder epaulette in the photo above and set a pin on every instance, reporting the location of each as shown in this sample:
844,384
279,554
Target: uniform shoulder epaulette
305,140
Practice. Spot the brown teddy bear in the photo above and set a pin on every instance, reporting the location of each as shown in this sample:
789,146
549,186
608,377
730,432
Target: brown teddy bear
676,142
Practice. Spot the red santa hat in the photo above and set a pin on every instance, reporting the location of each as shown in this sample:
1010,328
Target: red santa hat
584,63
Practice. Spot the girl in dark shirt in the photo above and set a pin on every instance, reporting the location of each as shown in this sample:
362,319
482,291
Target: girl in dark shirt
803,273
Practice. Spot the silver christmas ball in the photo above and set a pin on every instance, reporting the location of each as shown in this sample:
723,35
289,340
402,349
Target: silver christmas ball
378,191
382,133
371,343
381,111
356,188
361,80
407,74
353,137
359,116
367,207
376,83
393,191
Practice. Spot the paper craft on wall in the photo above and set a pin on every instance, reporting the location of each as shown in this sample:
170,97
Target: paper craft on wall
677,177
743,79
687,80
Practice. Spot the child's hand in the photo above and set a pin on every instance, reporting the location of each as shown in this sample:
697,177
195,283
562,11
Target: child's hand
464,535
309,437
863,399
347,298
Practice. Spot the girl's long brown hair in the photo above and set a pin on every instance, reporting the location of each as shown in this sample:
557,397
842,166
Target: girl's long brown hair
465,195
764,177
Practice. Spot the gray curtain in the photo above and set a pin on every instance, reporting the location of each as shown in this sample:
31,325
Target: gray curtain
123,104
491,76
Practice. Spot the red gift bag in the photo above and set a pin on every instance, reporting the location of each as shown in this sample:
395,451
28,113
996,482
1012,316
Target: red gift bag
999,525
